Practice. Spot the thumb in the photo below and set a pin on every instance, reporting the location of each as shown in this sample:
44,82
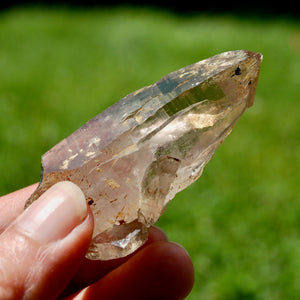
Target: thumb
42,249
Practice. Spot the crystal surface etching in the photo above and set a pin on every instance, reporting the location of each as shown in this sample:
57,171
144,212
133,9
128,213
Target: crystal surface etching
133,158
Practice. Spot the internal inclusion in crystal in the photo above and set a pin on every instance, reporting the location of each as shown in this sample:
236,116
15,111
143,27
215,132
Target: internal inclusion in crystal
133,158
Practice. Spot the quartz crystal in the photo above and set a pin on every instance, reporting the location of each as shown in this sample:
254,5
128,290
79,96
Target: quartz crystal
133,158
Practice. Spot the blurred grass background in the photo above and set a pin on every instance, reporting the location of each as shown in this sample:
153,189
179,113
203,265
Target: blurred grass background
240,220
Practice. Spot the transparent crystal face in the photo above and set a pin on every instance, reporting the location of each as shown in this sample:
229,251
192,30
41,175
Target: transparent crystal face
133,158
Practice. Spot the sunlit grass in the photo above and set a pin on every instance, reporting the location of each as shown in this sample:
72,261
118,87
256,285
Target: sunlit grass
239,222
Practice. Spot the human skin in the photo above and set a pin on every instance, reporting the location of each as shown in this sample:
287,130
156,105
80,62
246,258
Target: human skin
42,255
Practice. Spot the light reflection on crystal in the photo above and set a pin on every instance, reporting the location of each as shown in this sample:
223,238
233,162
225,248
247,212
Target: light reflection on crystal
124,242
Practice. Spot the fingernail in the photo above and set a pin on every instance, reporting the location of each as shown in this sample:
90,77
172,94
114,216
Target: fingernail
55,214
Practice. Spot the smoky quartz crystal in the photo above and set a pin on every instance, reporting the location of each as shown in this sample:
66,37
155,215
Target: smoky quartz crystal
131,159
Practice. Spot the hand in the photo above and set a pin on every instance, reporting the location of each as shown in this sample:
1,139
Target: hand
42,254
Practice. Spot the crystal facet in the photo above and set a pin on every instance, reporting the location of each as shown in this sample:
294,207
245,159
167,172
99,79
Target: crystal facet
133,158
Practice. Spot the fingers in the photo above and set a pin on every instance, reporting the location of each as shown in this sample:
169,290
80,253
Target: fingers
57,261
42,249
161,270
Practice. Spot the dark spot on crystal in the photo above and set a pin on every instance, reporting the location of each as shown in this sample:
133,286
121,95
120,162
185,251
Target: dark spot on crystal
176,159
90,201
237,71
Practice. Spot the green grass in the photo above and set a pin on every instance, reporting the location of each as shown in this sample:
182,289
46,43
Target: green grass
240,220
